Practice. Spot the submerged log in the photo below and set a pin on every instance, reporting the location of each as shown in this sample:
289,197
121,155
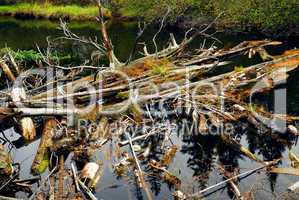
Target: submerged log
41,160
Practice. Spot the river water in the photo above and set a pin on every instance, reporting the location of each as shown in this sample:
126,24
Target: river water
196,161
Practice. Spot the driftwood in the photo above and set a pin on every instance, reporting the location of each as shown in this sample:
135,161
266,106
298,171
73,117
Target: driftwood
91,174
7,71
41,160
27,125
290,171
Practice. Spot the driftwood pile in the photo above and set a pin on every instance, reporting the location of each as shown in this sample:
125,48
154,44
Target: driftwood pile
172,82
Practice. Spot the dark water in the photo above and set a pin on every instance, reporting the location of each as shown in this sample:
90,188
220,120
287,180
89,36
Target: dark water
196,161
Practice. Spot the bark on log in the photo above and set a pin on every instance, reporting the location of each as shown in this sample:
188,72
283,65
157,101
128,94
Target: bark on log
41,160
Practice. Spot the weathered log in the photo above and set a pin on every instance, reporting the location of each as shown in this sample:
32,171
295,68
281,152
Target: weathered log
7,71
41,160
91,174
286,170
18,95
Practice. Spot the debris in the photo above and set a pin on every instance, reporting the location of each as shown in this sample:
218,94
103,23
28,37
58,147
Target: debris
91,174
179,195
138,172
41,160
294,160
137,148
7,71
237,146
28,128
6,167
166,176
292,129
294,187
232,183
290,171
268,164
87,190
168,156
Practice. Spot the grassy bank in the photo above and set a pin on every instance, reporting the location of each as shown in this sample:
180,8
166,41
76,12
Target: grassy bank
49,11
274,16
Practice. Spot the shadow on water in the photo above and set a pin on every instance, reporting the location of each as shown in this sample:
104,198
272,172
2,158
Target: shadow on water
196,163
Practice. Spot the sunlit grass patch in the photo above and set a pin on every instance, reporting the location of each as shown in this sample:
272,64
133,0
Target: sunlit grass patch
75,12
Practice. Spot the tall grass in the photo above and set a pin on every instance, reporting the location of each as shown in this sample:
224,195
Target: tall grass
52,11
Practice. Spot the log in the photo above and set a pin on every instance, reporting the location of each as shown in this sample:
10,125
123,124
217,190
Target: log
91,174
18,95
41,160
7,71
289,171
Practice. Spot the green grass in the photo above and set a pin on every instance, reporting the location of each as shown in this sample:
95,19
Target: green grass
238,68
269,15
50,11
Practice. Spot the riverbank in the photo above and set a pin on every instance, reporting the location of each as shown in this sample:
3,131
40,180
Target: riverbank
275,22
50,11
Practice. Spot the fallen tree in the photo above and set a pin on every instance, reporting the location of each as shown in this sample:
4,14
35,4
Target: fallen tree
174,81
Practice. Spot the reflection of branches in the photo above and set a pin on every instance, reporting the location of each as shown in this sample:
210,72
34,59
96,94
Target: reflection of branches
197,32
160,29
141,30
47,57
72,36
202,159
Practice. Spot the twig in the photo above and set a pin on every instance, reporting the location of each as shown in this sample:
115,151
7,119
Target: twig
141,177
233,178
139,35
87,190
160,29
9,198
